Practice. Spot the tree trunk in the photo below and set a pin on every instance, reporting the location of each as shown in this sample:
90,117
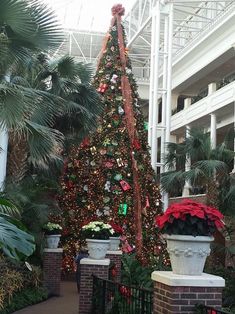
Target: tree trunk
17,157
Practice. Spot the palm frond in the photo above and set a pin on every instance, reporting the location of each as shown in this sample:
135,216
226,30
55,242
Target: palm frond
172,181
9,208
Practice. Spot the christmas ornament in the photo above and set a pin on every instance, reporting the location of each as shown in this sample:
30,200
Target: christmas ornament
120,162
106,142
93,150
128,71
108,58
103,151
85,188
119,98
108,164
102,88
114,79
125,186
106,199
73,177
118,177
120,110
122,209
112,48
98,213
136,144
114,28
92,163
114,143
106,211
146,126
107,186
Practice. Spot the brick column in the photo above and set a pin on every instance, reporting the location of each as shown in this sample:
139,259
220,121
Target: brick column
116,258
89,267
175,294
52,260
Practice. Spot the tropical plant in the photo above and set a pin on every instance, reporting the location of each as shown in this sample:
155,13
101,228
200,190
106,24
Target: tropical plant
15,242
190,218
210,169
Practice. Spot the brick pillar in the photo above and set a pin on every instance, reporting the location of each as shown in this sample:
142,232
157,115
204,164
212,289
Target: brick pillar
175,294
116,258
52,260
89,267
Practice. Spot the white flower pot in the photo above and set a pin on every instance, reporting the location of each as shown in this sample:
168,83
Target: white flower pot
114,243
97,249
53,241
187,253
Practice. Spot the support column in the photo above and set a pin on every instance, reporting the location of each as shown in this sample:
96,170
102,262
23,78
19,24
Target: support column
212,87
88,268
233,171
169,87
175,294
3,156
187,186
213,130
52,261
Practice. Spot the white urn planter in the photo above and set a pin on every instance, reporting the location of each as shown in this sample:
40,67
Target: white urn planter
53,240
114,243
97,249
188,253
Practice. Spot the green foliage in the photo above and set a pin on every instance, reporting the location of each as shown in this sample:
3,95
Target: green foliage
15,277
26,297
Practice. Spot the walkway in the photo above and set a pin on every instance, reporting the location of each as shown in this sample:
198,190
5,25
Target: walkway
67,303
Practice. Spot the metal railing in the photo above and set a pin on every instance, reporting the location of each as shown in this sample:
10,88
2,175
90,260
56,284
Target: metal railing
202,309
117,298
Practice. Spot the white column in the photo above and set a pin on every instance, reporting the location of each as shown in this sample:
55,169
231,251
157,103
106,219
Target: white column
213,130
212,88
154,143
187,102
3,156
233,171
187,186
169,84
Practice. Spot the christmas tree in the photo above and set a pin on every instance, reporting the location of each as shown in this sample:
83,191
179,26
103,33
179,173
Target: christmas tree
109,177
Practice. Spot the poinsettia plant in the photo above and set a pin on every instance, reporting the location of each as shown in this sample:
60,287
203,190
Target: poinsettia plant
190,218
97,230
118,230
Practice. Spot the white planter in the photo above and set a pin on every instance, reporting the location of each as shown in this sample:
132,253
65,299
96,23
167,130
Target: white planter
114,243
53,241
97,249
187,253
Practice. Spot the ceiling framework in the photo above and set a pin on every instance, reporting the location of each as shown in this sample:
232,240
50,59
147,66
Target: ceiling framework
191,21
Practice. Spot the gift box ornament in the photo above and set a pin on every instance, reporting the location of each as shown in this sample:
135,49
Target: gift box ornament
125,186
122,209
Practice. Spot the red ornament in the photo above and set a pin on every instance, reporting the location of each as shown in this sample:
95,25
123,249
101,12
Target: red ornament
108,164
102,88
85,142
125,186
136,144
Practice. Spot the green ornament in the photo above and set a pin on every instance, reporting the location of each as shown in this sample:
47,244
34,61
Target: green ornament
118,177
140,167
73,177
114,143
122,209
146,125
106,199
119,98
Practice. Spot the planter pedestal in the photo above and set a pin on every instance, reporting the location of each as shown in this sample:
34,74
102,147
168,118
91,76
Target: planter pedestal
179,294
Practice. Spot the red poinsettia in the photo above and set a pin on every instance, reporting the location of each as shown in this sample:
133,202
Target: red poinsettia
118,230
190,218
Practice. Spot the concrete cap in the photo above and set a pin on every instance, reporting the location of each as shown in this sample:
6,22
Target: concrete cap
58,250
91,261
170,279
119,252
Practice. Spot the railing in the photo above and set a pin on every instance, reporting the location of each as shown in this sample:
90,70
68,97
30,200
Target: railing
117,298
202,309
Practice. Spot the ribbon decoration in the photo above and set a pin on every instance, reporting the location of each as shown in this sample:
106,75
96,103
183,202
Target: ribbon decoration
118,11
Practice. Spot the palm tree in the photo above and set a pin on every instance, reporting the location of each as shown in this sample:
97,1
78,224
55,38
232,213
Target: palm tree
76,105
210,168
25,27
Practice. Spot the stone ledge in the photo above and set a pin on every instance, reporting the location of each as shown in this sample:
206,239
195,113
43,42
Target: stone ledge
90,261
170,279
58,250
119,252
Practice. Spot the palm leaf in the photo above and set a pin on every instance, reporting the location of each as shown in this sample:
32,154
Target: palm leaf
14,241
7,207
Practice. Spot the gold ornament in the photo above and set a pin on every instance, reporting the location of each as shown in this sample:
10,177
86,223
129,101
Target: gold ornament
93,150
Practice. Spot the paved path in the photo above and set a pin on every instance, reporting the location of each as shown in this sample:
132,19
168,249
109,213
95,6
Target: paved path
67,303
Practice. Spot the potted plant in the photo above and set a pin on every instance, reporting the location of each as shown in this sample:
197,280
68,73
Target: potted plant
97,235
115,238
188,228
53,233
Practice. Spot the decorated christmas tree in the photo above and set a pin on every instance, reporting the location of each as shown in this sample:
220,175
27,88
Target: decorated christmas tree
109,177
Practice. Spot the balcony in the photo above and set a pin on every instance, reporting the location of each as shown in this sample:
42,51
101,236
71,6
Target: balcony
212,103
